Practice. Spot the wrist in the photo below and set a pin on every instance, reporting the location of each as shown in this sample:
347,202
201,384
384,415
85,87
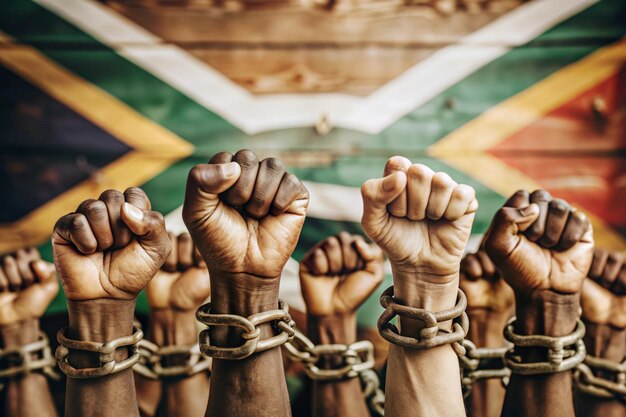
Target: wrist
340,329
243,294
486,326
100,320
546,312
172,327
19,333
605,341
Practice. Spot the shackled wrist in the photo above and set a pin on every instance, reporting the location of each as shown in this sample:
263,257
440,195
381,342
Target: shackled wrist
546,312
19,333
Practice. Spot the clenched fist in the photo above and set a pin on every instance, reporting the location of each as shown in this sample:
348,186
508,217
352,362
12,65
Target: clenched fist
27,286
339,274
603,297
183,281
421,219
245,215
540,243
483,285
110,247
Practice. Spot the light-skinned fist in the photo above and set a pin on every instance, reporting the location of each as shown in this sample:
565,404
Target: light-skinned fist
110,247
339,273
421,219
27,286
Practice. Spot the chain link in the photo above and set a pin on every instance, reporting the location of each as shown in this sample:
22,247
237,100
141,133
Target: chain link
154,361
477,364
430,335
559,358
588,382
106,352
31,357
251,333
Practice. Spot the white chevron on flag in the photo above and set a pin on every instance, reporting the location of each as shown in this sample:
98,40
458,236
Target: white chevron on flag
254,114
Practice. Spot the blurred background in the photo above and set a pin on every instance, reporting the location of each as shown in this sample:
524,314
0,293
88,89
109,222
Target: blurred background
501,94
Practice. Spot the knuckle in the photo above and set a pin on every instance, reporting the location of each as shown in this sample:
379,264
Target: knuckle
274,165
540,196
420,171
559,206
441,181
463,192
77,222
246,158
196,175
111,195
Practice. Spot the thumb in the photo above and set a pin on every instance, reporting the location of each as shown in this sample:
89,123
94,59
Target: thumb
379,192
149,227
505,228
205,182
47,277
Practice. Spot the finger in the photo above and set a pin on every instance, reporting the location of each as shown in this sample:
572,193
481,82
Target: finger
332,249
470,265
239,194
367,252
74,228
460,200
221,158
418,186
487,266
204,184
47,277
507,223
4,282
113,200
197,258
575,227
289,190
9,264
558,213
350,255
171,263
441,189
185,252
149,228
137,197
520,199
611,270
377,193
619,286
32,254
269,177
98,217
542,199
398,207
23,265
317,262
598,263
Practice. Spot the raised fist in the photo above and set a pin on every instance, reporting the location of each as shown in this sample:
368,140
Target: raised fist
338,274
110,247
183,281
245,215
603,297
27,286
482,284
421,219
538,243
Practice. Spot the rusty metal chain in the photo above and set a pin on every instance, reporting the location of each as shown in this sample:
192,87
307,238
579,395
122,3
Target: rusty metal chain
431,335
353,359
106,351
31,357
478,364
155,362
280,319
589,382
564,352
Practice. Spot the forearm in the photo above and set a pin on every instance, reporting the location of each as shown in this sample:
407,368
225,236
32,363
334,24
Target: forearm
605,342
485,330
423,382
255,385
336,398
550,395
182,396
113,395
20,391
149,391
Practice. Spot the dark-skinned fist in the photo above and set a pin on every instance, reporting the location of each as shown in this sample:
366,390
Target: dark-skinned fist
110,247
244,215
540,243
483,285
603,298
